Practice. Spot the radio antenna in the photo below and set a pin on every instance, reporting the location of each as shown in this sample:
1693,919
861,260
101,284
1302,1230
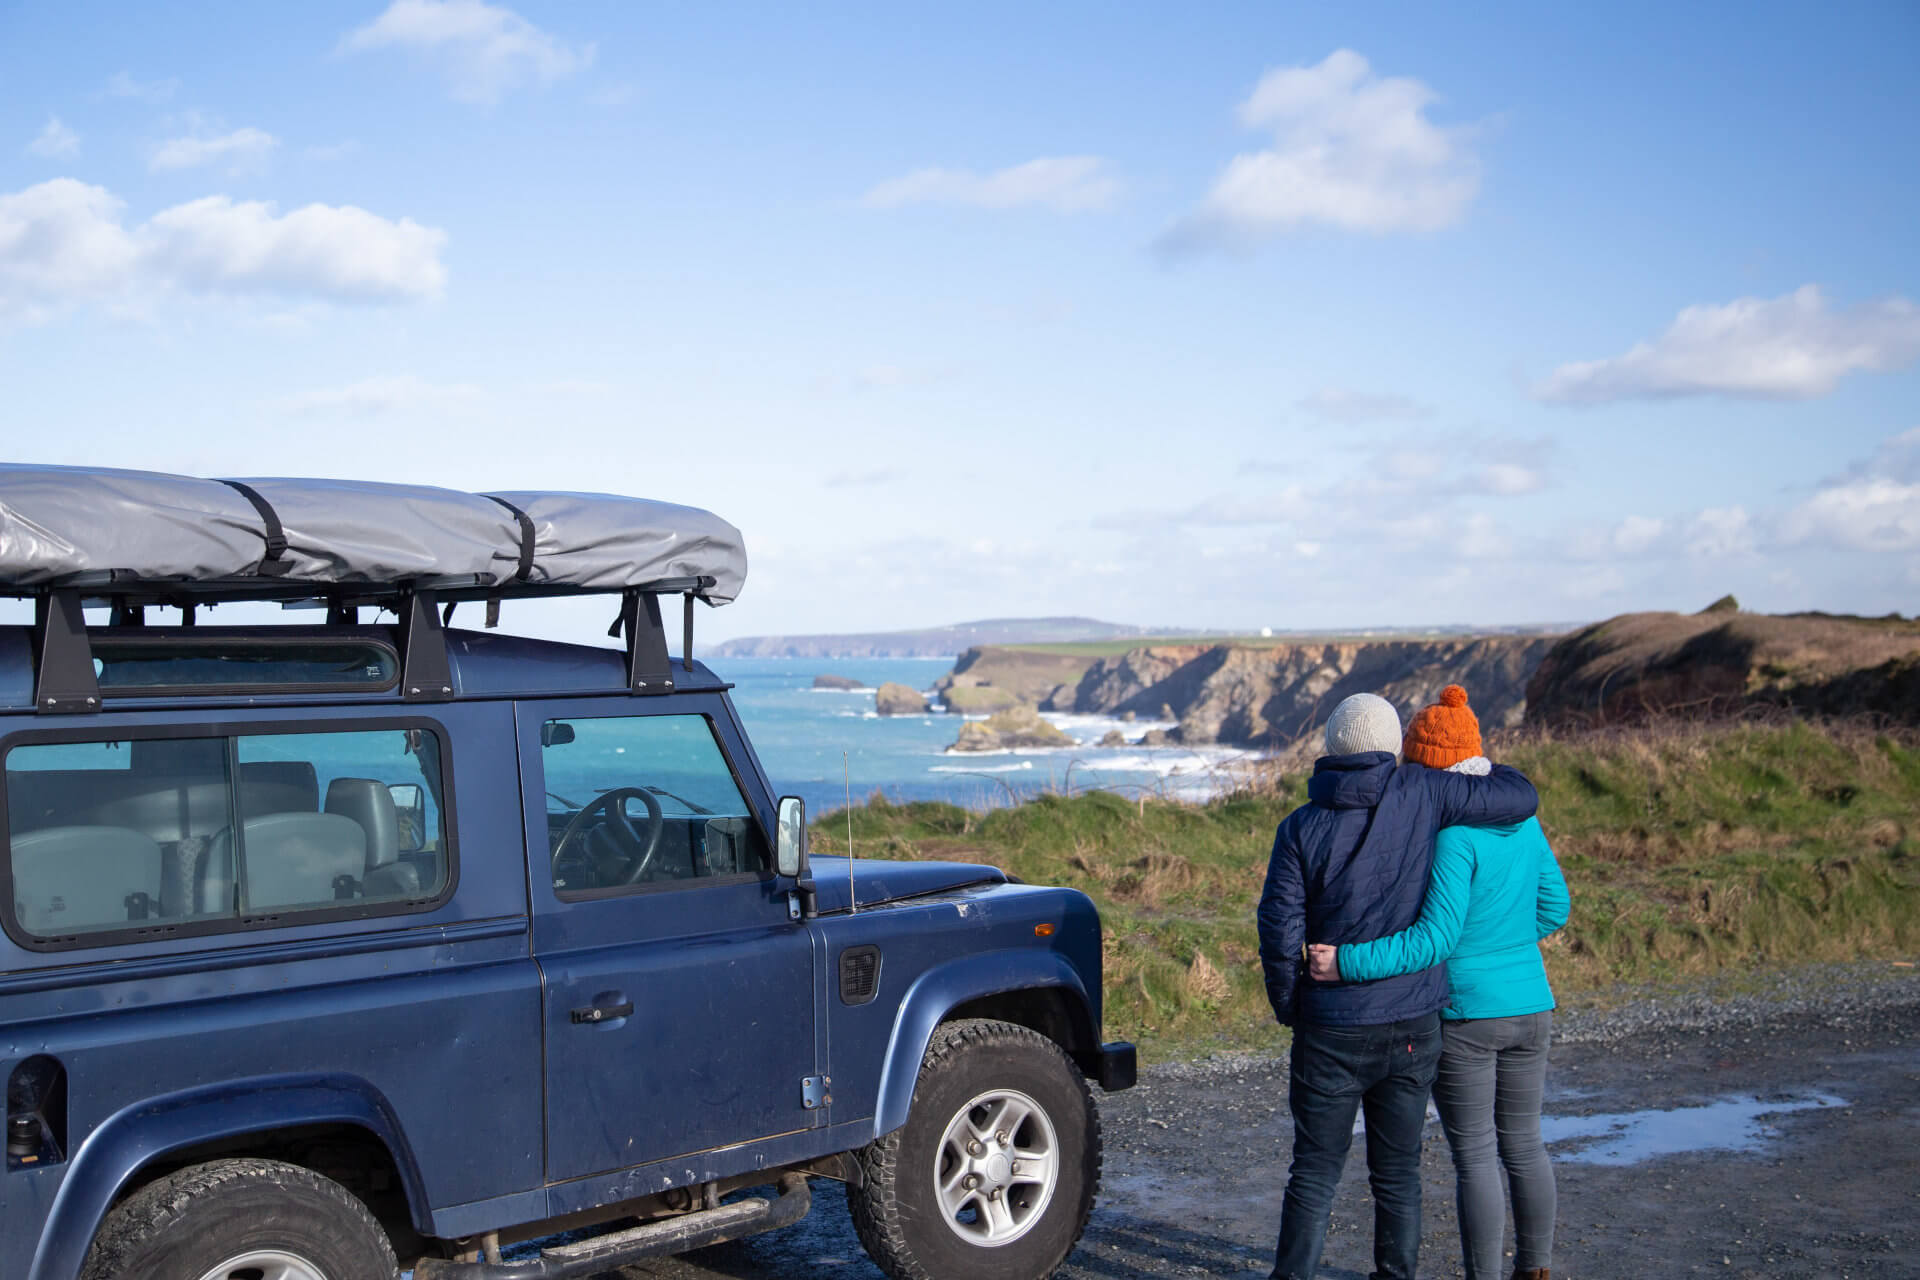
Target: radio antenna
846,771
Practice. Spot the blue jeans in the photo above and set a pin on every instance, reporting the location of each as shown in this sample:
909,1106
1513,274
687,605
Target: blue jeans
1337,1071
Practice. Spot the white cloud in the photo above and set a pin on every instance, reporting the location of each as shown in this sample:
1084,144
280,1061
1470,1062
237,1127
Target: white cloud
1351,408
122,85
1789,348
65,241
1720,531
1351,150
240,150
484,49
1636,534
1870,514
1874,507
372,397
1065,184
56,141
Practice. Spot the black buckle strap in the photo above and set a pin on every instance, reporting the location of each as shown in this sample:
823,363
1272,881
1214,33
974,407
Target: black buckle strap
275,564
526,537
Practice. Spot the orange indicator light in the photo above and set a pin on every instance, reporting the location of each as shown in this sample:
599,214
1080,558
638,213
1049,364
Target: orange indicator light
1043,931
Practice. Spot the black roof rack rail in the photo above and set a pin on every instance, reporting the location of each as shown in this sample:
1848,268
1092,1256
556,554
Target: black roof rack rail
65,683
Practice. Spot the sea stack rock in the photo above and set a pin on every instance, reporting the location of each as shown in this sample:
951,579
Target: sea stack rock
1014,727
898,700
836,682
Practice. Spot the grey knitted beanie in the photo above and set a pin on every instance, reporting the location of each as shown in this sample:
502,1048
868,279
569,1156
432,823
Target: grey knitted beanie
1364,722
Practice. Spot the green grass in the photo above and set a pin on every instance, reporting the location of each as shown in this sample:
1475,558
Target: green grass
1690,852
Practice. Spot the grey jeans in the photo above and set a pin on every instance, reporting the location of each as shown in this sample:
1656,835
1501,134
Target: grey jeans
1492,1074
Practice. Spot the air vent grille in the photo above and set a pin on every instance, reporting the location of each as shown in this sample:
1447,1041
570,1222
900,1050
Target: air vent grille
859,974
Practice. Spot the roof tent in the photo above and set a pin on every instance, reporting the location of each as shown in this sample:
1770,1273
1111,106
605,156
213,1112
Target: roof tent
132,539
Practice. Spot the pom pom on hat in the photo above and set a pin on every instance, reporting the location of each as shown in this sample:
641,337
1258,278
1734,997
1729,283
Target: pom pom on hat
1444,734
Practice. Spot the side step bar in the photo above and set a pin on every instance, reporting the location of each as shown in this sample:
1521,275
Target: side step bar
648,1240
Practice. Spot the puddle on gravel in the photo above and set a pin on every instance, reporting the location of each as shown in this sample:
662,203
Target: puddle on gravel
1630,1137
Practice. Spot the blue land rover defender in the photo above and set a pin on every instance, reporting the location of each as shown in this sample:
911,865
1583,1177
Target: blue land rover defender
360,941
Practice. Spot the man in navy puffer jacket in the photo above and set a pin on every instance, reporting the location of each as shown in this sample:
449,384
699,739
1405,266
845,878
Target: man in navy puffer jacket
1351,865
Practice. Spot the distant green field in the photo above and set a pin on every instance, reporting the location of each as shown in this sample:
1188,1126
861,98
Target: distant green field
1690,852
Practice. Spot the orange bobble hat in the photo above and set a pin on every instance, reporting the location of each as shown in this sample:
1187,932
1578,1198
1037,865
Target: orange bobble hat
1444,734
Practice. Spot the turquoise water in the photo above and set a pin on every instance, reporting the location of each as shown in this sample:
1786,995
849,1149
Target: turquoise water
801,734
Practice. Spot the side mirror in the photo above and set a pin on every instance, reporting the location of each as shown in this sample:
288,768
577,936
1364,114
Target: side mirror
556,733
410,804
790,837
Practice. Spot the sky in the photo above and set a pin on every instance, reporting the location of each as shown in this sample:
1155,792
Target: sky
1205,316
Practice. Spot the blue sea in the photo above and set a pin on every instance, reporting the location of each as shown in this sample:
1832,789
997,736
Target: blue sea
805,734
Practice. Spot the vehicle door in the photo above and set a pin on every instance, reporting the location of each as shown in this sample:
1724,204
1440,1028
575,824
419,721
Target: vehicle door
678,988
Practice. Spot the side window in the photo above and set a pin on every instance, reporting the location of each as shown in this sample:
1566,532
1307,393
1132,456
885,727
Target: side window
331,817
110,836
638,800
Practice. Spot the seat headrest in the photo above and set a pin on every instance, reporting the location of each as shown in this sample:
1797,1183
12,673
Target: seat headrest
370,804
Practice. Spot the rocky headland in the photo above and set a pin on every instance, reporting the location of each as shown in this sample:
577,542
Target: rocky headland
1722,662
1276,695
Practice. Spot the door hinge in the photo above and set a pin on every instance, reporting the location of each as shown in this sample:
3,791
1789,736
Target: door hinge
814,1092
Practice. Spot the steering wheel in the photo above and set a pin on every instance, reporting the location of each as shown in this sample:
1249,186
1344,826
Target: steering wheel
618,829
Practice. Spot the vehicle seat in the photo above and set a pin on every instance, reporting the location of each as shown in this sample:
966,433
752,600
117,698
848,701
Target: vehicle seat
370,804
278,786
302,859
68,878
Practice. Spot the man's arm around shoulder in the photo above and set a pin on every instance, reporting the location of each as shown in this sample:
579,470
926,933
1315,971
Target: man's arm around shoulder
1283,922
1501,798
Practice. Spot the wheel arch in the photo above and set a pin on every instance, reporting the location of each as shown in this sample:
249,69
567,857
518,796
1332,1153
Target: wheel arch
236,1118
1040,990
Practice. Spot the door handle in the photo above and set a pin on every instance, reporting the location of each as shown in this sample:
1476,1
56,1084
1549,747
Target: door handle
602,1012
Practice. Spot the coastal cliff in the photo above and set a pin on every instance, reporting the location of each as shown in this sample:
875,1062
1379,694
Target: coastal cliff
1265,695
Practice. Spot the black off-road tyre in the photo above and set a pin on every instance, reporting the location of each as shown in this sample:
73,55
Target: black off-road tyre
898,1211
186,1224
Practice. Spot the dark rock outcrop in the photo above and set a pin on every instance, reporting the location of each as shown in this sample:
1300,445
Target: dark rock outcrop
836,682
1642,665
898,700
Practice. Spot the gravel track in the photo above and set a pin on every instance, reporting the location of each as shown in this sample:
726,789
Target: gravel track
1822,1065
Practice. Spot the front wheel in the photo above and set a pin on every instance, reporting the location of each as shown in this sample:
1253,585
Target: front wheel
241,1220
993,1174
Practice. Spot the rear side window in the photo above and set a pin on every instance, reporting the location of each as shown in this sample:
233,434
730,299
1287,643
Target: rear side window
164,834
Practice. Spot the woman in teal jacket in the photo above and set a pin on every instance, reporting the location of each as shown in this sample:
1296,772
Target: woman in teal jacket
1495,892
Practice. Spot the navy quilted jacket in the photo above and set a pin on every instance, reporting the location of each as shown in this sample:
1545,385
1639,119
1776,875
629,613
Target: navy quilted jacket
1351,865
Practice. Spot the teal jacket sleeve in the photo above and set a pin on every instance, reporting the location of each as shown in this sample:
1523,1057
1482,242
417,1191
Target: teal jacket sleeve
1553,904
1432,937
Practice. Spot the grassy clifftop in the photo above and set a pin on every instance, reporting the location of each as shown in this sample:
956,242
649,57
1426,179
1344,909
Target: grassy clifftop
1689,851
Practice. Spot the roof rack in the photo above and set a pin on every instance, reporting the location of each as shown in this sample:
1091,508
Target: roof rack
130,540
64,673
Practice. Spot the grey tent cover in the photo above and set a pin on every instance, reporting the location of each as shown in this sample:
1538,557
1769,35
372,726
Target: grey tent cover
60,523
